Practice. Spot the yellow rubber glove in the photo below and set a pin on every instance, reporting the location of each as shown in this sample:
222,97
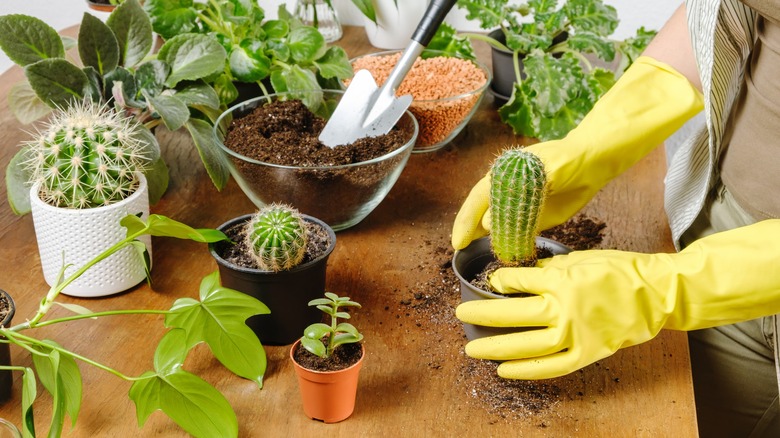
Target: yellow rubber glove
591,303
645,106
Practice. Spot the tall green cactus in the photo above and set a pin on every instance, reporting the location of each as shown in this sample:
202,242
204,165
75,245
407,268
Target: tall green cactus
277,237
86,156
517,193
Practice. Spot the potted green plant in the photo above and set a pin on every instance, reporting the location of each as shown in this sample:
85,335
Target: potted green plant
116,66
327,360
282,54
543,65
517,192
278,256
80,175
217,319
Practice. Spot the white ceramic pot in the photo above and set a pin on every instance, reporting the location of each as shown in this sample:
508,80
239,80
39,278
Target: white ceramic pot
82,234
395,26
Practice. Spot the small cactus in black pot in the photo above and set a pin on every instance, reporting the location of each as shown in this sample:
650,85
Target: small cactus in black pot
276,236
517,193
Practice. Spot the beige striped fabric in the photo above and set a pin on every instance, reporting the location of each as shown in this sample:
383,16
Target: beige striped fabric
722,34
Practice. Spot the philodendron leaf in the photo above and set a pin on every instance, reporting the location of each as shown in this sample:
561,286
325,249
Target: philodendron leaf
157,225
171,17
29,392
173,112
57,82
133,32
143,252
25,104
75,308
306,44
16,179
188,400
27,40
211,155
60,375
192,56
98,47
334,64
219,320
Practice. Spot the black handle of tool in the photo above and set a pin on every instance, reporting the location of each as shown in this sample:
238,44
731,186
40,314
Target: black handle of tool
434,15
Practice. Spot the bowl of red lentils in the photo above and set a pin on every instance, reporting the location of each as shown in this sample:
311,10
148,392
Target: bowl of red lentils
446,91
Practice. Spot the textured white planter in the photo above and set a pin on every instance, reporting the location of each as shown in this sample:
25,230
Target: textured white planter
82,235
395,25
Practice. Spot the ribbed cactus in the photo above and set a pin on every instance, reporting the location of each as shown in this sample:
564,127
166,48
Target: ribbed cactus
277,237
86,156
517,193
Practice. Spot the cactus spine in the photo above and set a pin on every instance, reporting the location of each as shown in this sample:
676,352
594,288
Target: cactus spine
85,157
516,197
276,236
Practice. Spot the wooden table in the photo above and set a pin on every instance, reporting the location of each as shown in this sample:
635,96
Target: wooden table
416,380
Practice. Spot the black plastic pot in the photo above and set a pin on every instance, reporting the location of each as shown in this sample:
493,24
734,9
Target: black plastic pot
286,293
472,260
6,377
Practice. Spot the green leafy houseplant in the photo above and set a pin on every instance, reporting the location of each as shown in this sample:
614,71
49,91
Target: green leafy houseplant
322,339
216,319
557,84
284,52
117,67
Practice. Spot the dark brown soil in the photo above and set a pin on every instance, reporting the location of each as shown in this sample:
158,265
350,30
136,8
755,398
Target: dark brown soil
285,132
344,356
431,305
236,250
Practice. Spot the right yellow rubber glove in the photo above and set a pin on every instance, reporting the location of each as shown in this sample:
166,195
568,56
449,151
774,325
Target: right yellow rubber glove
592,303
645,106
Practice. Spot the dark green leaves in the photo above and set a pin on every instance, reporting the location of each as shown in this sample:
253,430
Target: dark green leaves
27,40
98,47
192,56
133,32
57,82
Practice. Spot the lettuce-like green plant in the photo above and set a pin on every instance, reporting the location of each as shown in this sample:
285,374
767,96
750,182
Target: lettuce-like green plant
517,191
291,56
276,237
217,318
557,84
117,68
322,339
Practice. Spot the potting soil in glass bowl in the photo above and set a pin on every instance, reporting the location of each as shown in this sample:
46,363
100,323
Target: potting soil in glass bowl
446,91
275,156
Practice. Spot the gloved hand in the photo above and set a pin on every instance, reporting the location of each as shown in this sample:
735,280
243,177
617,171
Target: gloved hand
644,107
591,303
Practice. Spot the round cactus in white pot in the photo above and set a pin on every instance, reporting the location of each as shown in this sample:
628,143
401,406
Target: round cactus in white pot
85,167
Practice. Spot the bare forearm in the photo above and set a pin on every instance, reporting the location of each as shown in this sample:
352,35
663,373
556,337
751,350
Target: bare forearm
672,46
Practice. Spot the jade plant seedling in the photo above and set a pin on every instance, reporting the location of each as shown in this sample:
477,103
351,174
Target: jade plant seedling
322,339
217,318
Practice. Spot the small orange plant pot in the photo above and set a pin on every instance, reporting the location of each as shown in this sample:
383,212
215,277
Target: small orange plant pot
328,396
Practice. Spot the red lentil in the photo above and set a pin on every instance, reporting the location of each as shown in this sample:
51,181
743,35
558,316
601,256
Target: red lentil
444,89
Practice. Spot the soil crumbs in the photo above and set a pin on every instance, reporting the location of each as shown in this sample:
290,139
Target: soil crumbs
432,306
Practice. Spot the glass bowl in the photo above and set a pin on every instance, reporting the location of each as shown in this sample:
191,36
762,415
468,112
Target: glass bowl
340,195
446,93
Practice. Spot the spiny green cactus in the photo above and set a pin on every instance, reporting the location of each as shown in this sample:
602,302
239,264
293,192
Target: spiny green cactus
277,237
86,156
517,193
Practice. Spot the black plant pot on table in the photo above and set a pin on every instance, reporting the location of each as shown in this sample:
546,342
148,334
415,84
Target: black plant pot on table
286,293
469,262
6,378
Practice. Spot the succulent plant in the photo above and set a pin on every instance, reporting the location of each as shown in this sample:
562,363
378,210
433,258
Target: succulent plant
86,156
517,192
276,235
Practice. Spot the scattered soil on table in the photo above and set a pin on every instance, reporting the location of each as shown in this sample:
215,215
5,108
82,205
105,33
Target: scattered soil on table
432,82
343,357
432,306
236,251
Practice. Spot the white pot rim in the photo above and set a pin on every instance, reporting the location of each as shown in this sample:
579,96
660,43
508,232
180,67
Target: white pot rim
139,191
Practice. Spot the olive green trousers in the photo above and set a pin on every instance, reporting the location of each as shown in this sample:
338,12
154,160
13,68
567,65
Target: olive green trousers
734,373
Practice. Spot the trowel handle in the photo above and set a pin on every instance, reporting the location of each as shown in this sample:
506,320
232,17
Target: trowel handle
434,15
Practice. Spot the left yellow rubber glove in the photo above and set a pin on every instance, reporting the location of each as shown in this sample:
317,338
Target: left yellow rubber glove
592,303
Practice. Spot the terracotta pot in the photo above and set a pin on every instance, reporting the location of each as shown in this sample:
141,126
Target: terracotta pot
328,396
286,293
472,260
6,378
82,234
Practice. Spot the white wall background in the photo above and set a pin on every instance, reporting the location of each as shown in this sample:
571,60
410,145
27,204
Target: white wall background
61,14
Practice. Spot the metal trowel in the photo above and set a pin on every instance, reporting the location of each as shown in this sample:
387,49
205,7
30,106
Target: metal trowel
365,110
